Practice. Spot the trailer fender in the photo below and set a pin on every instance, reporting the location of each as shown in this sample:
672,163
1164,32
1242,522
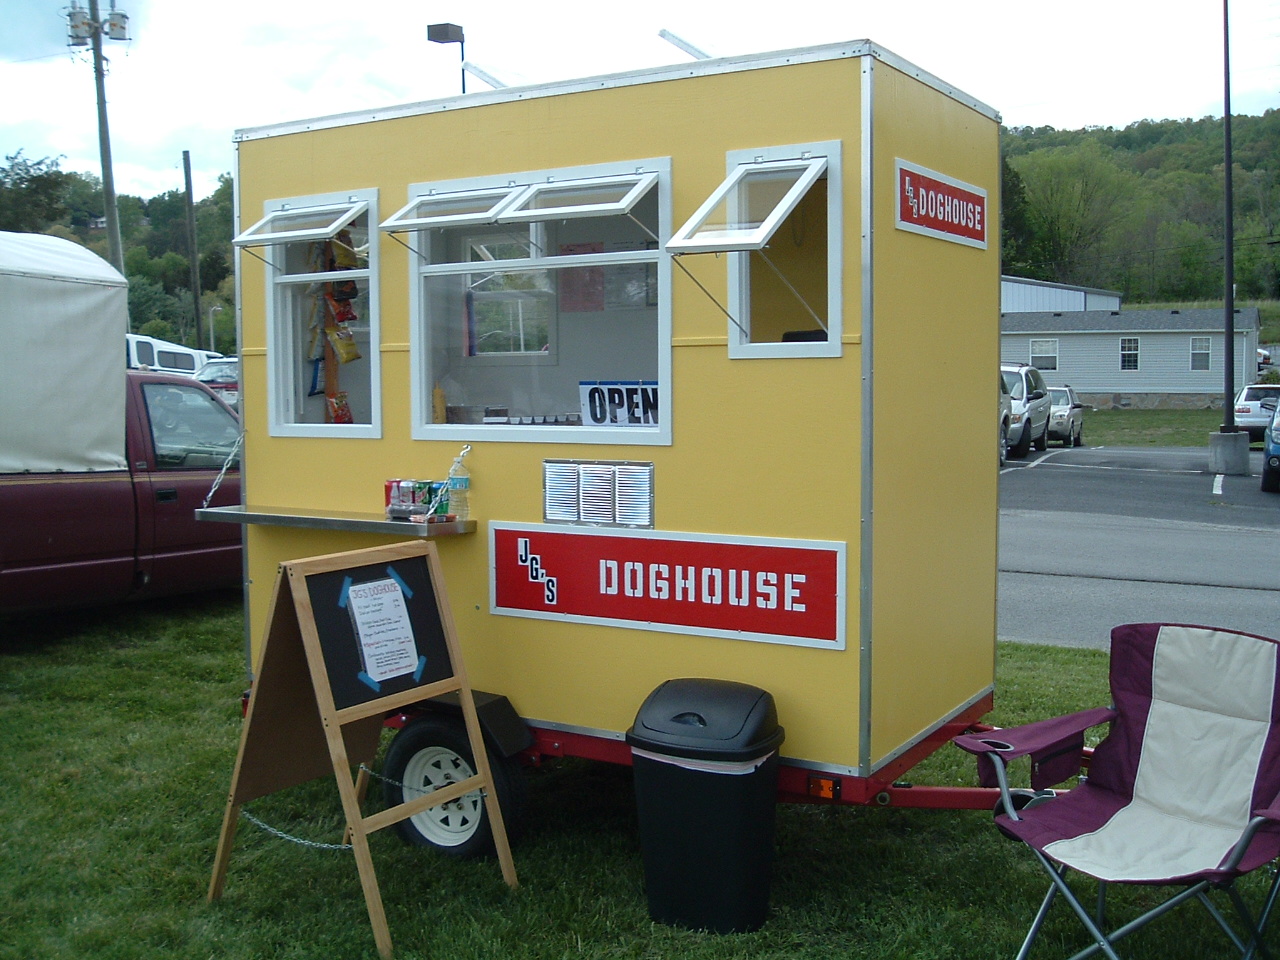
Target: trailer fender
505,732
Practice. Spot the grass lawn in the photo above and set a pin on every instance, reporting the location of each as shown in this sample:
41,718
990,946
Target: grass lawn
1150,428
120,728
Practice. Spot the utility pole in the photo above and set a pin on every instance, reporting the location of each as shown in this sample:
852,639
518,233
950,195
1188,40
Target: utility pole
192,252
90,31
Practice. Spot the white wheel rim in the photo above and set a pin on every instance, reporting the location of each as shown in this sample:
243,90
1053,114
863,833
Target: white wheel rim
447,824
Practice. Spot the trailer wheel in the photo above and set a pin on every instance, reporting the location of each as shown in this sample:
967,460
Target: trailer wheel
433,752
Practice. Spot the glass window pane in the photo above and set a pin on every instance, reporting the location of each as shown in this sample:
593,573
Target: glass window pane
746,209
516,346
189,429
609,195
327,331
303,223
441,209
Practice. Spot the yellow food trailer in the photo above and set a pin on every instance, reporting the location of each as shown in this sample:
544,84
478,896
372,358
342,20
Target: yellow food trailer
717,339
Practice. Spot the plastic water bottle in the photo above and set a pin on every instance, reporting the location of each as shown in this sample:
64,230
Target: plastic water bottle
460,490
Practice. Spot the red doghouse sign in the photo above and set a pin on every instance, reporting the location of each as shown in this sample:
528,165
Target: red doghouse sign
743,588
939,206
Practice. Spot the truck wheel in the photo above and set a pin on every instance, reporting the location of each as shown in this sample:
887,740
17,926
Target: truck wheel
433,752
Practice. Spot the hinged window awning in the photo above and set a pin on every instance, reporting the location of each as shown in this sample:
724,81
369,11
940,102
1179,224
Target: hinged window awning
524,203
749,205
297,224
450,209
597,197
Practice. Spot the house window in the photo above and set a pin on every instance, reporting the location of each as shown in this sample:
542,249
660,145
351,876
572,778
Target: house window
1128,353
322,314
540,304
1200,353
1044,354
777,216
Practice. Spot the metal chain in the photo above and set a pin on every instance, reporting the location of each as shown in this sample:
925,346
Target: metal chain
223,472
313,844
419,791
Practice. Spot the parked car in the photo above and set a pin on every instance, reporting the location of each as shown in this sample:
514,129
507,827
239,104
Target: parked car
1066,416
1264,358
223,378
1005,415
1029,422
1271,450
1250,414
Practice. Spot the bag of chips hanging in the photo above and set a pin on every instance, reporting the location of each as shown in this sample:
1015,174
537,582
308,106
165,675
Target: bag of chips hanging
339,409
343,343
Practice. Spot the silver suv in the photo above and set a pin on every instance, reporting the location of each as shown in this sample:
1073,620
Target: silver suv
1029,422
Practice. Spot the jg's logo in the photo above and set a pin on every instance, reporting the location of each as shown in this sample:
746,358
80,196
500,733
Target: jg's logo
533,562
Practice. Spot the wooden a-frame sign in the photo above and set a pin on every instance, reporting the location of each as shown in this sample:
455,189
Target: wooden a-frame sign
352,637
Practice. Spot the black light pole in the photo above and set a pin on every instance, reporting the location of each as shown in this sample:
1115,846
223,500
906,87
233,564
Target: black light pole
452,33
1228,257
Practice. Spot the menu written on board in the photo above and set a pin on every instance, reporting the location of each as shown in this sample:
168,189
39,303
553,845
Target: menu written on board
383,630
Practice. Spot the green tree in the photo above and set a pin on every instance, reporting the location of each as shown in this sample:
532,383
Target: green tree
1076,194
31,193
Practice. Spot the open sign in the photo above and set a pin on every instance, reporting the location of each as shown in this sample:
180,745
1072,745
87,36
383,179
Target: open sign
619,403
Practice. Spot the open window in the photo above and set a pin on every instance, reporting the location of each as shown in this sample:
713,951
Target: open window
528,311
322,314
777,217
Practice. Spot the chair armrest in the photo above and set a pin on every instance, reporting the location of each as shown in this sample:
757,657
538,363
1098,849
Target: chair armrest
1054,745
1037,737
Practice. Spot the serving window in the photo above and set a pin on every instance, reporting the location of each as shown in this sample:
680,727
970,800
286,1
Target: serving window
322,314
776,216
530,312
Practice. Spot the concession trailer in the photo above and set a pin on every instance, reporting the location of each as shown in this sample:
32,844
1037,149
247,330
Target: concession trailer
714,343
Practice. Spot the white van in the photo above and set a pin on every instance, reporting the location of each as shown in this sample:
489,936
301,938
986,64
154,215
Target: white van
148,353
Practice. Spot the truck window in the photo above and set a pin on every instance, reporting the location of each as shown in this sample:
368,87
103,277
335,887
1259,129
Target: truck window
539,305
189,429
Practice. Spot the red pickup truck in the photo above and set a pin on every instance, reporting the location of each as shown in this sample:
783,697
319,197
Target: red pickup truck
71,538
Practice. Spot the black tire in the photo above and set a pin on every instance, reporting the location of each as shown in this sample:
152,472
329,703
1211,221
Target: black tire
1042,441
1078,440
431,752
1004,443
1270,480
1023,446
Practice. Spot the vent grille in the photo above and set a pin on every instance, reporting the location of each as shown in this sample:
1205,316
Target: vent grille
595,492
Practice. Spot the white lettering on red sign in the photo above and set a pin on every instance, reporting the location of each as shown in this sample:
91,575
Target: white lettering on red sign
780,591
935,205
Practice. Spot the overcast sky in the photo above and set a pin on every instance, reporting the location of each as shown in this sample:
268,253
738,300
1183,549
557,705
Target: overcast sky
194,73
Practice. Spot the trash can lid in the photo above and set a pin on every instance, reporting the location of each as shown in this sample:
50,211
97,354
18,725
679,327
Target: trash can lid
690,716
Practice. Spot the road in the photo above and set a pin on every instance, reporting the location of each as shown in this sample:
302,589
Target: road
1092,537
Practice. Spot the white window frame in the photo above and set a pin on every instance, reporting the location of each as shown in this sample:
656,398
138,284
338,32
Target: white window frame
1207,352
284,373
1032,353
517,210
815,160
261,234
412,215
1136,352
653,173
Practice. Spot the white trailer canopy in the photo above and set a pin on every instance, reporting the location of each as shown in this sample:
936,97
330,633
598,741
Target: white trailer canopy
63,316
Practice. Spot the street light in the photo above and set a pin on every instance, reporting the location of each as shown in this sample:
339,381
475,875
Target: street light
450,33
216,308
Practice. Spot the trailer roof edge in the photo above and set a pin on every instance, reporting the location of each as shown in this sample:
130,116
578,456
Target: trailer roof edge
754,61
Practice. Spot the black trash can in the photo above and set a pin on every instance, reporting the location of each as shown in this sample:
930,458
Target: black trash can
705,756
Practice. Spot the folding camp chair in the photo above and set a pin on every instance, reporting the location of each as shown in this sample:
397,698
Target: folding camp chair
1183,791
